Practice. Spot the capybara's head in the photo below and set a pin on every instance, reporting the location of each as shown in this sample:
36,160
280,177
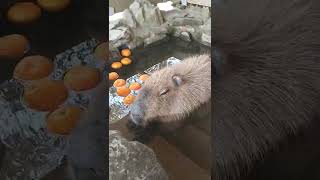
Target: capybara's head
172,93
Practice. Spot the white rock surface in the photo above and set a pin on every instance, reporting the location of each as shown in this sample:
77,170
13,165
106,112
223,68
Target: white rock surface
206,33
166,6
137,11
132,160
206,39
119,36
122,18
185,36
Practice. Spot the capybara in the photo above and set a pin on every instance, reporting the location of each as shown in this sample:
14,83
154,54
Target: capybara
269,90
173,93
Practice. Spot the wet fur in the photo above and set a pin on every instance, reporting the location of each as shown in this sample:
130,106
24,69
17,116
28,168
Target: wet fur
191,100
271,88
181,101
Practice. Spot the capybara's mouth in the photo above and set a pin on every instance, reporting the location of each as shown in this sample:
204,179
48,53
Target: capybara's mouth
143,134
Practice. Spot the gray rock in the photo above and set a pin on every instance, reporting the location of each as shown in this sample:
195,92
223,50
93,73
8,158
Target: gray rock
172,14
184,32
206,27
144,23
142,33
114,23
128,19
146,13
154,38
132,160
152,15
186,21
185,36
206,33
206,39
119,36
137,12
159,30
198,12
122,19
180,29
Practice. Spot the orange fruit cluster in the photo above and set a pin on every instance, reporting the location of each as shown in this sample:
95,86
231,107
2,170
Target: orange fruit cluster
125,53
40,92
120,84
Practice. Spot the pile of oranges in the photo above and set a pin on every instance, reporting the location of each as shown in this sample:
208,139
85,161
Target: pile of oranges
124,89
41,93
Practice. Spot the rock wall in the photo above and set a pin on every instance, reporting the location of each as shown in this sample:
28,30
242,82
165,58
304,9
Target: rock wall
144,23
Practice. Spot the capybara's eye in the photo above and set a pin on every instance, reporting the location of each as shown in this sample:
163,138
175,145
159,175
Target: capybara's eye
164,91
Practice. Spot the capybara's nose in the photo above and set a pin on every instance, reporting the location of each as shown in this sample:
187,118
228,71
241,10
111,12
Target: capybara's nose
137,113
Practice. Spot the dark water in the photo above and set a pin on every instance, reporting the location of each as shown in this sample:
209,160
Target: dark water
145,57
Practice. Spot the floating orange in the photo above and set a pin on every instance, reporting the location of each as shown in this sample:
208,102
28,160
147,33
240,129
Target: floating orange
123,91
116,65
128,99
45,94
135,86
13,46
113,76
80,78
33,67
63,120
54,5
119,83
125,52
23,13
126,61
144,77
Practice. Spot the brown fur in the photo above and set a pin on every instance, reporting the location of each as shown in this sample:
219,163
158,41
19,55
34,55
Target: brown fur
181,101
272,88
